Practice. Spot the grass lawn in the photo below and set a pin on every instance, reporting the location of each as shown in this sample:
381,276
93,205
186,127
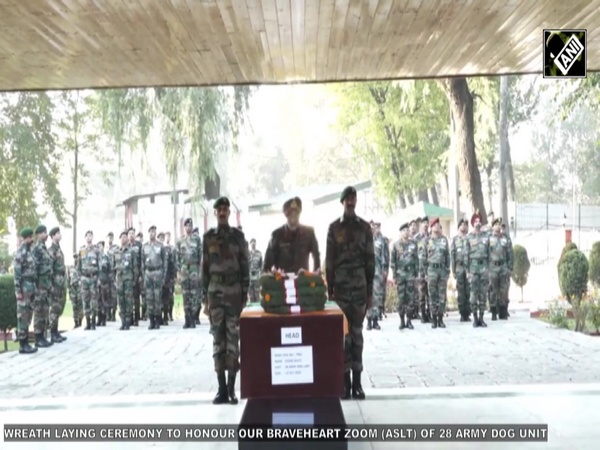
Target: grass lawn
569,324
11,346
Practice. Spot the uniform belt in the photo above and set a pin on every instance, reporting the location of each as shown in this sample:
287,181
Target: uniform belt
231,278
498,263
153,269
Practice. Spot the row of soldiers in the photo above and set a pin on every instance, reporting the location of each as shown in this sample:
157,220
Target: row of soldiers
422,261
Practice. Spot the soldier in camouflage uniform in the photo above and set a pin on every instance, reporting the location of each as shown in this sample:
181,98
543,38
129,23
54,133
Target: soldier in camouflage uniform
437,266
413,228
382,264
503,313
173,278
155,265
256,263
105,278
139,239
188,254
457,253
487,231
89,269
292,244
125,264
226,279
405,264
43,292
75,292
170,276
421,281
499,261
25,275
477,255
350,270
136,247
112,247
58,285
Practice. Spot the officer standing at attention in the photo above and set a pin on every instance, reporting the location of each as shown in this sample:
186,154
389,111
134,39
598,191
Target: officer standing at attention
226,278
477,256
457,253
136,246
124,262
350,271
503,313
43,292
170,276
292,244
405,263
154,265
437,266
58,285
25,274
89,268
75,292
499,259
188,256
382,265
256,263
422,288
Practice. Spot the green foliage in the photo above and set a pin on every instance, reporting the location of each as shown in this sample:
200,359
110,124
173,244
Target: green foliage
573,275
8,306
5,256
595,264
521,267
594,311
567,248
557,315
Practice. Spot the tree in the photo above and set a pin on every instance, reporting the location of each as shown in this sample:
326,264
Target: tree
8,306
268,173
521,267
595,265
569,246
29,160
574,279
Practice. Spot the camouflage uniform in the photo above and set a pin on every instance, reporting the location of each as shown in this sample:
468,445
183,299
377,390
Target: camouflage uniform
167,289
256,263
188,254
43,293
59,296
503,313
25,275
105,277
457,253
125,263
382,264
405,264
75,294
421,282
437,265
477,253
387,270
350,269
290,250
225,279
498,269
136,247
154,265
89,268
112,287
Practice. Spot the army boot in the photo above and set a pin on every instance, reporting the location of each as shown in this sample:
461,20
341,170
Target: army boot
76,322
41,342
222,396
127,323
494,311
475,320
369,324
197,318
151,325
357,390
157,322
402,323
104,318
193,321
434,322
231,388
88,323
425,317
144,316
503,313
187,321
376,324
409,324
55,336
347,386
93,322
122,325
171,313
165,319
440,320
25,348
481,322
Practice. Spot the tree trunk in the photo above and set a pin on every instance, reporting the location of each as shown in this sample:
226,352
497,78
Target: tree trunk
410,199
461,108
490,187
504,149
521,294
433,195
5,341
422,196
401,201
510,174
75,195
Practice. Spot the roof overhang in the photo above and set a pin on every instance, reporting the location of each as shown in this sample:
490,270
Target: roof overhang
121,43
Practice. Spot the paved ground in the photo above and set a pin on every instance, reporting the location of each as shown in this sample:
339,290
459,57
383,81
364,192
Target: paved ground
171,360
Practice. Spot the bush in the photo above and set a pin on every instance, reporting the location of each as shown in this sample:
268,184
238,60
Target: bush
8,306
595,264
557,315
594,311
521,267
574,279
391,297
567,248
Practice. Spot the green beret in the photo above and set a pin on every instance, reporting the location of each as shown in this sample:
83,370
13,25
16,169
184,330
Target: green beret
99,243
160,235
54,230
195,230
349,190
153,227
404,226
221,201
110,234
412,221
26,232
123,233
188,221
40,229
497,221
425,219
292,203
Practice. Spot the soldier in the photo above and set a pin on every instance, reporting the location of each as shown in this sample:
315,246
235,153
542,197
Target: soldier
437,266
188,254
503,313
89,269
477,255
256,263
413,228
105,278
382,264
139,239
136,246
422,291
25,274
58,285
487,231
155,266
457,253
196,232
225,276
382,313
292,244
43,292
112,247
171,300
75,292
350,269
124,262
405,264
170,275
499,262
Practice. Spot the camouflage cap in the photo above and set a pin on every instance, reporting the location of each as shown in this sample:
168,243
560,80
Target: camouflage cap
404,226
188,221
40,229
54,230
348,191
26,232
153,227
291,204
221,201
